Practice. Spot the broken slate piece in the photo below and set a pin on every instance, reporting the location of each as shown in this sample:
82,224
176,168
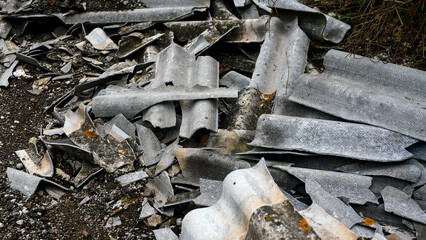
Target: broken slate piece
27,183
126,179
100,41
211,190
166,157
422,179
134,42
113,222
4,80
150,145
331,204
418,150
335,138
41,165
420,193
354,188
147,210
244,191
234,80
404,171
122,123
162,188
181,198
399,203
298,205
165,234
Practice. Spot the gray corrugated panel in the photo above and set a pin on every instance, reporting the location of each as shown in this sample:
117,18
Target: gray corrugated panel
399,203
134,42
361,90
27,183
353,187
243,192
165,234
405,171
201,114
326,137
331,204
137,15
36,163
173,64
150,145
234,80
332,30
196,163
176,3
131,103
248,31
4,80
166,157
282,57
325,225
107,152
205,40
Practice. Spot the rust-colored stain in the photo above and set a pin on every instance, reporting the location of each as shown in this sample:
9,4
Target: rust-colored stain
123,151
368,221
361,165
90,132
98,122
52,2
203,140
268,219
304,225
267,97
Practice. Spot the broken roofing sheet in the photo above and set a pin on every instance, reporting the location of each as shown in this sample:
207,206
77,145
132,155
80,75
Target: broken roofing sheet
325,137
243,192
384,95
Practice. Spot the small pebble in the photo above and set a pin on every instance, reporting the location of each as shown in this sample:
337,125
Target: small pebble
19,166
20,222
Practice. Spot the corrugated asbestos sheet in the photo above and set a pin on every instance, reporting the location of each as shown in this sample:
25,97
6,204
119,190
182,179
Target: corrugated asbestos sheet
384,95
243,192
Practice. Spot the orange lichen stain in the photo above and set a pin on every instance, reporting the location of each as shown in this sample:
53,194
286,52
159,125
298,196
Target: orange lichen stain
244,108
267,97
90,103
52,2
123,151
116,210
368,221
129,201
203,140
268,219
304,225
90,132
361,165
98,122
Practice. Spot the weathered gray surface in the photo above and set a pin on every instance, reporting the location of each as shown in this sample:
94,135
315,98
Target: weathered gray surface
331,204
404,171
422,179
147,210
280,221
150,145
331,138
420,193
353,187
166,157
401,204
329,29
35,163
135,42
131,103
360,89
165,234
100,41
27,183
121,122
234,80
243,192
196,163
4,80
211,191
126,179
162,188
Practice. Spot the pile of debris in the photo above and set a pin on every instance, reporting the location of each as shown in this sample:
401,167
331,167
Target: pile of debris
215,104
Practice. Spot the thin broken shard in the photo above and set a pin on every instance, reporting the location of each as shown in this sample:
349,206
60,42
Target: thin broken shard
181,198
162,188
405,171
325,137
4,80
243,192
234,79
166,157
353,79
131,103
27,183
150,145
126,179
147,210
165,234
401,204
353,187
331,204
41,165
131,44
100,41
325,225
